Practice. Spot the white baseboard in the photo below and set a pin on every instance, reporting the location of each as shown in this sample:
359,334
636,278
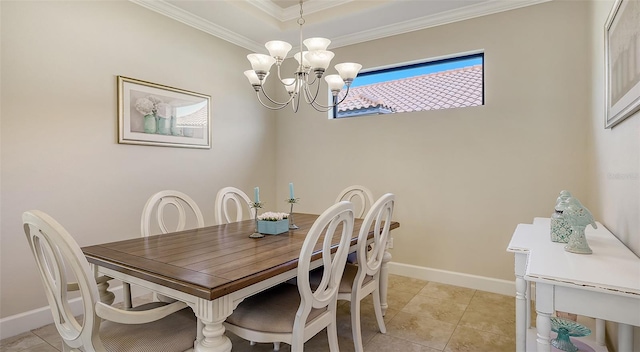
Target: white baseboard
33,319
475,282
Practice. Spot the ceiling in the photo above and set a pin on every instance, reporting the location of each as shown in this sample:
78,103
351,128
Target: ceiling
251,23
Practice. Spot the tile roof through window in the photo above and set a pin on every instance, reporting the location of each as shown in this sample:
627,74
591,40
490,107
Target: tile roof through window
440,90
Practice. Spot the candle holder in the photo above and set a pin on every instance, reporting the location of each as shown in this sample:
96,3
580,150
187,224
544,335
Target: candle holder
292,225
256,206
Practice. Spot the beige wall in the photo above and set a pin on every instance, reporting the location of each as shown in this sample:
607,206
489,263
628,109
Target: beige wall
464,178
59,138
614,155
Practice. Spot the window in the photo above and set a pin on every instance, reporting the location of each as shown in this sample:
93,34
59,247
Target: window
452,82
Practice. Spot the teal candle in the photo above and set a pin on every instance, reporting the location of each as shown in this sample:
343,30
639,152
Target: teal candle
256,194
291,191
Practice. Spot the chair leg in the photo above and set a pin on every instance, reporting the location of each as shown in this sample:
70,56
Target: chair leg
377,307
126,293
332,335
355,324
297,345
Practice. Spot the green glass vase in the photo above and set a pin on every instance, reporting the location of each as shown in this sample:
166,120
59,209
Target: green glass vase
150,125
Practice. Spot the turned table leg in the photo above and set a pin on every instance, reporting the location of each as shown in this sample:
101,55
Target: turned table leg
213,314
106,296
522,302
544,309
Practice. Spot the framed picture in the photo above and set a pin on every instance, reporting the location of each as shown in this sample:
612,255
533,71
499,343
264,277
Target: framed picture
153,114
622,60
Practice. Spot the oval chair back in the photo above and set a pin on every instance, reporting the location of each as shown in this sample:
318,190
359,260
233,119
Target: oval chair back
360,196
55,251
159,202
239,203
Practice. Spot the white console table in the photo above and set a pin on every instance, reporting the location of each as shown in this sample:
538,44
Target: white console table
604,285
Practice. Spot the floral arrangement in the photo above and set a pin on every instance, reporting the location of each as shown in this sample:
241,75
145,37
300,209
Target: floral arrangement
272,216
148,106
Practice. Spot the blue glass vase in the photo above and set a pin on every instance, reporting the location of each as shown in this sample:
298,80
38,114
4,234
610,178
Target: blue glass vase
175,130
164,125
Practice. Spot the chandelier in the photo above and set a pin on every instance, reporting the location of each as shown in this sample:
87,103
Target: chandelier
312,64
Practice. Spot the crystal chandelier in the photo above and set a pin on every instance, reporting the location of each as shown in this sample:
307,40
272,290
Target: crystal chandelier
312,64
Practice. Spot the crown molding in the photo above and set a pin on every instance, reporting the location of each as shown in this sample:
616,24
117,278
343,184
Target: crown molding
474,11
482,9
173,12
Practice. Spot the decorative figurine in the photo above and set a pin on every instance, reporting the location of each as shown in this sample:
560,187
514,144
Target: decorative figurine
578,217
560,228
566,328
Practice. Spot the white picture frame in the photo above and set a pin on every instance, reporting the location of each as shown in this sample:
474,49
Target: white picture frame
158,115
622,61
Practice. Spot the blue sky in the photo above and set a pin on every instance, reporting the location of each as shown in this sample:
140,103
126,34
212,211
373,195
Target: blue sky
391,74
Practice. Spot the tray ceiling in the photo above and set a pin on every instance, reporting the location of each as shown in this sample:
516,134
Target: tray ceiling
251,23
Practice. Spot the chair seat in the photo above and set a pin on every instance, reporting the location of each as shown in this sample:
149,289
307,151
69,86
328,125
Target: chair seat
272,311
348,276
346,283
175,332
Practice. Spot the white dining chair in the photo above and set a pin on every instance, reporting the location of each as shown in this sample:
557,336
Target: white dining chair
154,326
363,279
360,196
295,313
239,201
158,204
362,199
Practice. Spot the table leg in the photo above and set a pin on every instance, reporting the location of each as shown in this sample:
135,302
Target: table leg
522,300
213,314
544,309
600,332
521,314
625,338
106,296
384,280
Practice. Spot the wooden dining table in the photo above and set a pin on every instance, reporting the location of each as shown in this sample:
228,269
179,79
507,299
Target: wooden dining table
213,268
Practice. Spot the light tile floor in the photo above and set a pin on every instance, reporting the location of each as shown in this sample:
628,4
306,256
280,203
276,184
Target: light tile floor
422,317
